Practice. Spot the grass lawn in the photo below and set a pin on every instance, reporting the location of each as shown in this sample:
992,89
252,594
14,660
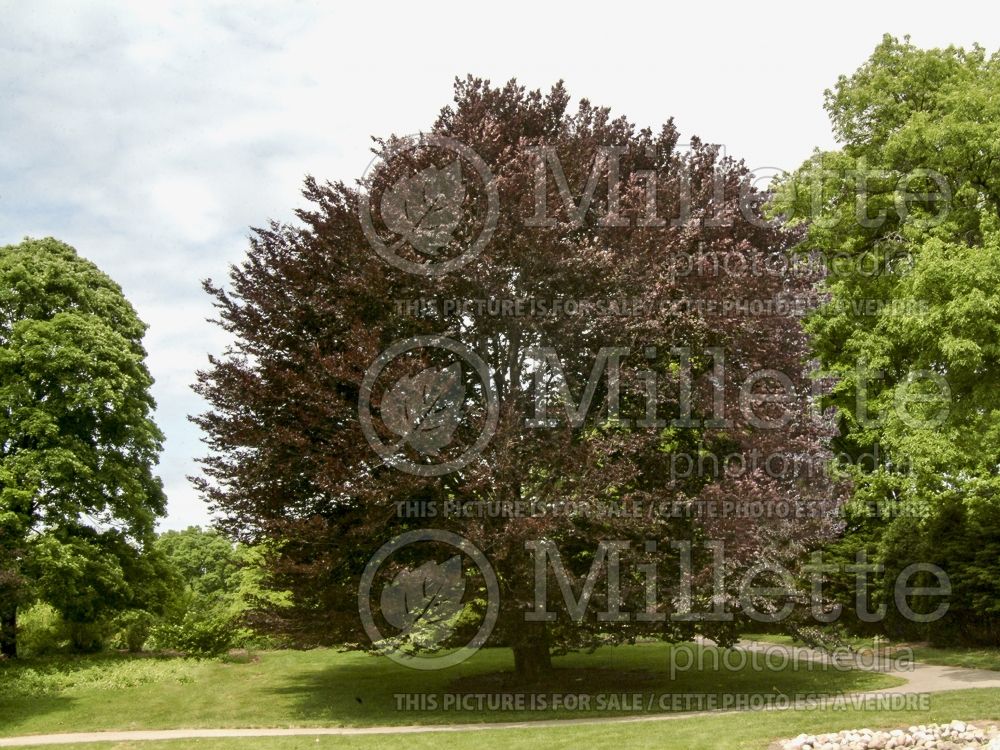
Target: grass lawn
973,658
976,658
329,688
747,731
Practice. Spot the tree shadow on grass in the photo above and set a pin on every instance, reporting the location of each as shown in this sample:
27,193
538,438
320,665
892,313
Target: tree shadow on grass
365,690
372,690
359,692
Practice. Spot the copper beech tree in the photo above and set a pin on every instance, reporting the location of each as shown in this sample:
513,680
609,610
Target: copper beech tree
643,371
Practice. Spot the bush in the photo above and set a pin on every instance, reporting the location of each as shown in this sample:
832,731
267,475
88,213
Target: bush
42,631
133,629
88,637
202,637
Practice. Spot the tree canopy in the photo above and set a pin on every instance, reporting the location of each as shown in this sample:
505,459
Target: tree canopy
907,216
78,496
313,307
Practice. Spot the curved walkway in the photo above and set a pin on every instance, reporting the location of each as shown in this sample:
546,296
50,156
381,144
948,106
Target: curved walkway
920,678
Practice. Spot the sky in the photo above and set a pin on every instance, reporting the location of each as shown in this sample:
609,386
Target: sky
151,136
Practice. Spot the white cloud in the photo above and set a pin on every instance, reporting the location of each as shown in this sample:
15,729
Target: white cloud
189,205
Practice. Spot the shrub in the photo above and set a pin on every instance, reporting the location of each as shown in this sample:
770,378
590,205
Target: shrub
88,637
198,636
42,631
133,629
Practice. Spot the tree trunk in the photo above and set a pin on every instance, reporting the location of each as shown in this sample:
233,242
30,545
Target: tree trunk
8,633
532,659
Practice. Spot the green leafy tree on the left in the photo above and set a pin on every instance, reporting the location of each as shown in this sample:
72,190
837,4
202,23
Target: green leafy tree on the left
78,498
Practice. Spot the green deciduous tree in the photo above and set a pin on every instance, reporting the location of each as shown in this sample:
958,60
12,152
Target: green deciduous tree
907,215
206,562
78,498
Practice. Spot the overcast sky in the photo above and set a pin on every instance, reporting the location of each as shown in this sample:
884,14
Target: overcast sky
151,136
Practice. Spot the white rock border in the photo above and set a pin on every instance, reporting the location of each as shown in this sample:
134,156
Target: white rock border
957,735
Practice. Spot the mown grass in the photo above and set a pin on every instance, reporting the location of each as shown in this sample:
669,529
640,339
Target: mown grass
975,658
972,658
745,731
329,688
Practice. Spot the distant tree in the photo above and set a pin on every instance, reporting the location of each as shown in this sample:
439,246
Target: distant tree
78,498
216,584
206,562
312,308
907,216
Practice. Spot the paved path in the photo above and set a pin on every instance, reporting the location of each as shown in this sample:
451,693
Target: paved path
920,678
